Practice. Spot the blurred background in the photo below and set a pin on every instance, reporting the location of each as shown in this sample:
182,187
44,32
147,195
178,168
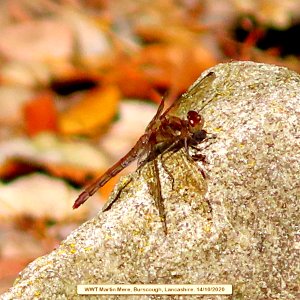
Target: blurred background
79,82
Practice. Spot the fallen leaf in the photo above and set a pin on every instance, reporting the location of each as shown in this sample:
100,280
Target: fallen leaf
40,114
71,81
93,46
75,161
47,147
95,110
134,116
160,66
25,74
37,40
40,197
168,65
17,167
12,99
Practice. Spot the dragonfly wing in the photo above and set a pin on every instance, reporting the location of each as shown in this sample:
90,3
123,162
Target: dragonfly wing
155,119
176,180
196,98
155,190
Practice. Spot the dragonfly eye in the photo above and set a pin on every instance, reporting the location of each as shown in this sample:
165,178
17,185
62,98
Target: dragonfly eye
195,121
194,118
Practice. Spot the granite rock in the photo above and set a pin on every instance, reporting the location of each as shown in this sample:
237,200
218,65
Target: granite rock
231,219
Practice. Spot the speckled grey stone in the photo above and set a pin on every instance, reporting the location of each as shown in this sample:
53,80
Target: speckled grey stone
236,226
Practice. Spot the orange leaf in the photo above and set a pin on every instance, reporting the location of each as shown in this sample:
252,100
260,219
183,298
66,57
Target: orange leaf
130,79
95,110
171,64
40,114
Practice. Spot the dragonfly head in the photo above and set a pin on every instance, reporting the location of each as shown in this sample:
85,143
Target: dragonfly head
195,121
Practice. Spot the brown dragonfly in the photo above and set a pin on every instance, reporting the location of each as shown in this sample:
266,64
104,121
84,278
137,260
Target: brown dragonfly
166,131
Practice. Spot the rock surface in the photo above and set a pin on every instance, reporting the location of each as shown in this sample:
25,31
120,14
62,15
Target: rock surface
237,225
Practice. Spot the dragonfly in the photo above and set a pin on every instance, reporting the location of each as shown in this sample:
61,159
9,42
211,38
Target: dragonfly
166,131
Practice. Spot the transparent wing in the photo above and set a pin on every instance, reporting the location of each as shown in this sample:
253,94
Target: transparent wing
155,191
196,98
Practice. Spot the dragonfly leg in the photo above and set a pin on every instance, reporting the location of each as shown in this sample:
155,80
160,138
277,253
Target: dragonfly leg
186,147
209,136
195,145
199,157
168,152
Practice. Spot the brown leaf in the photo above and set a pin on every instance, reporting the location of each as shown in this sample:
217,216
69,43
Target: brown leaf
16,167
